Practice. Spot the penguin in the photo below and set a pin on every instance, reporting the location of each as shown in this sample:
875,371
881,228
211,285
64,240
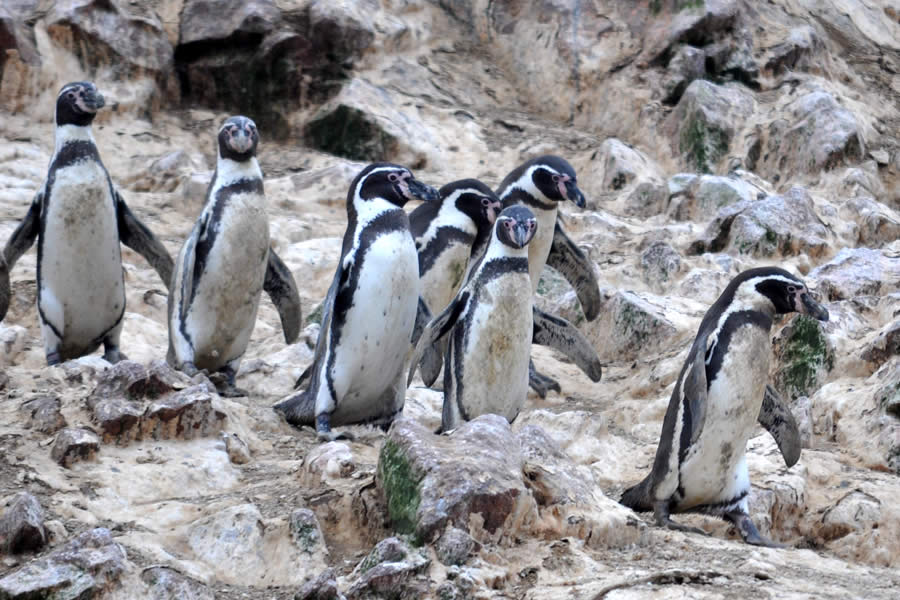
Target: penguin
721,393
5,289
79,218
224,266
447,233
541,184
489,323
371,313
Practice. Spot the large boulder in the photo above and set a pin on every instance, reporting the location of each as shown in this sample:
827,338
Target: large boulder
22,524
695,197
855,272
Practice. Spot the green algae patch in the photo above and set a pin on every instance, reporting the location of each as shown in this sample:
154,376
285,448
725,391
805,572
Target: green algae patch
805,356
401,487
702,145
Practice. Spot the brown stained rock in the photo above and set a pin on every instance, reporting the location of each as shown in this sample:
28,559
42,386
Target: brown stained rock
22,525
237,449
165,583
186,415
44,414
323,587
74,444
118,419
471,479
133,381
84,568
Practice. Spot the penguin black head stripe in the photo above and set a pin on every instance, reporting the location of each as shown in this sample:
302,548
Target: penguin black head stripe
516,226
390,182
786,292
238,139
474,199
551,175
77,103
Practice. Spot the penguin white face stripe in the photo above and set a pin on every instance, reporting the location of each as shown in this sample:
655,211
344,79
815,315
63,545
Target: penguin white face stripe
525,183
450,216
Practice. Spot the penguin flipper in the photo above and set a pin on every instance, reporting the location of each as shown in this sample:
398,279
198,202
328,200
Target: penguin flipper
20,241
561,335
139,238
5,291
776,418
576,267
694,395
436,329
279,284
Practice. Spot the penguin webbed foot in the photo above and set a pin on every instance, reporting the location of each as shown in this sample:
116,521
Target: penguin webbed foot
225,383
324,432
661,514
113,355
541,383
749,532
53,358
189,369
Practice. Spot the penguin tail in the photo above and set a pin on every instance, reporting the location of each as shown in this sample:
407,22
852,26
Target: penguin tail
298,409
637,497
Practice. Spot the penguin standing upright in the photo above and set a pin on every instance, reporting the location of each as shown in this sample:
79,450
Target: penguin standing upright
371,310
79,219
700,463
489,325
541,184
225,264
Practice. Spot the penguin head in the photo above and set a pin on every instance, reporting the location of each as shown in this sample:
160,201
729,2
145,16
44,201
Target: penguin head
785,291
238,138
390,182
555,178
515,226
77,103
474,199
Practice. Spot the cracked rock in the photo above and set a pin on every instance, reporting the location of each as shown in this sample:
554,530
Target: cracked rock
73,445
22,525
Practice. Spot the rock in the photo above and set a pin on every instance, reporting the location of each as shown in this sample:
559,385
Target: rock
44,414
687,65
471,479
134,381
12,342
163,174
878,224
237,449
74,444
660,264
118,419
777,225
882,157
647,199
165,583
697,24
795,52
622,164
693,198
229,540
323,587
235,20
703,123
802,357
855,272
856,511
187,414
306,532
87,566
732,58
22,525
885,345
389,571
454,547
629,327
801,408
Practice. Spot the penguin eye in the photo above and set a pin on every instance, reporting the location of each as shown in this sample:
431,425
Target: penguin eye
485,202
556,179
791,289
393,177
70,95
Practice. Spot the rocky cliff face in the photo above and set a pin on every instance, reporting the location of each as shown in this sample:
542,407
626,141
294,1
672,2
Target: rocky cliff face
708,136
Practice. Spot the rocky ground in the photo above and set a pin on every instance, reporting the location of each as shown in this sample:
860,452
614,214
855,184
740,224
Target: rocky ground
708,136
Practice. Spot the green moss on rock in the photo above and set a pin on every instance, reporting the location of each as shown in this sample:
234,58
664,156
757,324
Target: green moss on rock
401,487
703,145
805,355
350,133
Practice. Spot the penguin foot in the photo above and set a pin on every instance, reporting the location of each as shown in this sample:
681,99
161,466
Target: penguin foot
113,355
53,358
542,384
225,384
324,432
749,532
661,514
189,369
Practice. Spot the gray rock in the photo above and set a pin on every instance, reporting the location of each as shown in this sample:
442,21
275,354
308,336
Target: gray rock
878,224
622,164
44,414
323,587
237,449
73,445
118,419
629,327
648,198
857,511
858,272
660,263
693,198
232,20
687,65
471,479
306,532
777,225
705,120
230,539
133,381
84,568
165,583
884,346
802,357
454,547
794,53
163,174
22,525
17,36
389,571
801,408
187,414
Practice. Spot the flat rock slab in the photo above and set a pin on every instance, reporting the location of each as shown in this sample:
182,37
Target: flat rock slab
86,566
74,444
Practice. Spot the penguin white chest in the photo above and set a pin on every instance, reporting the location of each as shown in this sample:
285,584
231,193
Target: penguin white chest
375,336
497,348
714,469
82,288
539,246
446,276
225,302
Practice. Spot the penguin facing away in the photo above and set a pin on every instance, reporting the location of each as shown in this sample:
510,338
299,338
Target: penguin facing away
700,463
490,327
79,218
371,312
541,184
224,266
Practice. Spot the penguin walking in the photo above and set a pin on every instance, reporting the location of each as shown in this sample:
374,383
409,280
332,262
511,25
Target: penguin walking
371,311
225,264
541,184
448,234
721,393
490,326
79,218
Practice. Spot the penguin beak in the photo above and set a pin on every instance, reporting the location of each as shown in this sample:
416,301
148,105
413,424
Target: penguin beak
94,100
813,308
522,233
241,141
421,191
574,194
